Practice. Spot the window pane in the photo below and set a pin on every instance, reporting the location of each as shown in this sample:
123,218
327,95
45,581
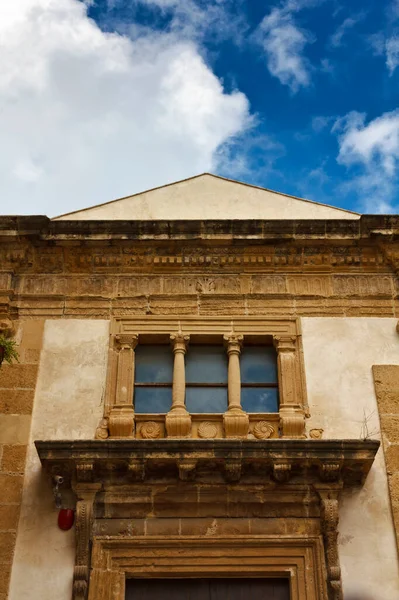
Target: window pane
259,399
152,400
258,364
154,364
206,400
206,364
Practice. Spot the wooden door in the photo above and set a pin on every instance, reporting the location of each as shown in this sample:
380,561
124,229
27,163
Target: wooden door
207,589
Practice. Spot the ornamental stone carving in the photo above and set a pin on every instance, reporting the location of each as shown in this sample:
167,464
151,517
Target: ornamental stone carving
207,430
150,430
316,434
263,430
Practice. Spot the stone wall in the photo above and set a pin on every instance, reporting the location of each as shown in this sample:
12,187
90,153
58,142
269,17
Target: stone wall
67,405
17,388
386,380
339,357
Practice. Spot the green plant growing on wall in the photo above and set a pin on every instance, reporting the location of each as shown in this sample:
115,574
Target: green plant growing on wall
8,350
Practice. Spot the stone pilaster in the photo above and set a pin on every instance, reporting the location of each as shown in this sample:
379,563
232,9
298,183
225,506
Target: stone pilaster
121,417
178,420
236,421
292,417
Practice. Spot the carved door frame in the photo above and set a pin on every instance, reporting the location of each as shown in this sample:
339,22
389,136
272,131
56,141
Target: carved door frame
299,559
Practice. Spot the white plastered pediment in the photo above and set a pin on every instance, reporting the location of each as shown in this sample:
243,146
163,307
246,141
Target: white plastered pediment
208,197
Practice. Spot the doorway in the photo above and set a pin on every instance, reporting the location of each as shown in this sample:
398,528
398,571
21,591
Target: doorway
208,589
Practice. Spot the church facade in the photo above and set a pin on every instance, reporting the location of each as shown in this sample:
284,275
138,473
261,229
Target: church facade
208,378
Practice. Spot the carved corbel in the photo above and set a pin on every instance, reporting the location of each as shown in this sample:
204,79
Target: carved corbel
83,538
330,472
84,472
186,469
137,469
292,414
329,524
281,472
121,417
232,469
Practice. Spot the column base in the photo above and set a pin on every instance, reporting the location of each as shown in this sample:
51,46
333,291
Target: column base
292,422
121,421
178,423
236,423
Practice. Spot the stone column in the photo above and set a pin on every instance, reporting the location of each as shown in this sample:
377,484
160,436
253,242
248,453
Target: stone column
178,420
292,416
121,417
236,421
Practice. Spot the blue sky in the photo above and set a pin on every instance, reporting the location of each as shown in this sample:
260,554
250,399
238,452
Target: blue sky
104,98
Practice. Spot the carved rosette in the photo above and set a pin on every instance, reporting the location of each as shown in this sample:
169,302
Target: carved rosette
150,430
263,430
207,430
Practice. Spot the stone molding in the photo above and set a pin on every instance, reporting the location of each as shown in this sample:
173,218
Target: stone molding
285,334
300,559
350,460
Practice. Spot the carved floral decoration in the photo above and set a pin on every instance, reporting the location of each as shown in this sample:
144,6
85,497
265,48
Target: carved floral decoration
205,285
263,430
207,430
150,430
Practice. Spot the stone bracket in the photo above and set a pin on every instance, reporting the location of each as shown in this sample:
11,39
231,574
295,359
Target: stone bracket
83,538
329,523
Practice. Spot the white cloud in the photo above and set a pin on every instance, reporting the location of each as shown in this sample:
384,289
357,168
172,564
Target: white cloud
336,39
373,149
321,122
87,116
392,51
284,42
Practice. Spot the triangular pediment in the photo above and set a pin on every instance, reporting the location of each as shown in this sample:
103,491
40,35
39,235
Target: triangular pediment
208,197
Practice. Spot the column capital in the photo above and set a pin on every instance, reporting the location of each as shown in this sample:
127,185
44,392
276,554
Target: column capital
179,342
233,343
284,343
126,341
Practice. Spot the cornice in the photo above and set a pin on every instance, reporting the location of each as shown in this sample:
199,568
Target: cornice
42,228
306,461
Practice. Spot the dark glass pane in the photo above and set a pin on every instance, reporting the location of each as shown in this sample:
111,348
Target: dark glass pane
152,400
258,364
206,364
154,364
259,399
206,400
